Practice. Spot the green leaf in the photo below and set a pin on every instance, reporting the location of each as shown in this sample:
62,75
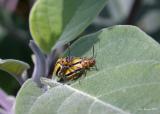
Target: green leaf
127,80
132,87
26,97
13,67
51,19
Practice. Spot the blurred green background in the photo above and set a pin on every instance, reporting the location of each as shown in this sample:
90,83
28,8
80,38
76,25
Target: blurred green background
15,35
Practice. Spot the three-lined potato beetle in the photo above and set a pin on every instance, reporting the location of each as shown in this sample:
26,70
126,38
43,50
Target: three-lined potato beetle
71,68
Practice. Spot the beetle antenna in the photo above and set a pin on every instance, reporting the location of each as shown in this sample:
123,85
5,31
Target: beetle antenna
69,51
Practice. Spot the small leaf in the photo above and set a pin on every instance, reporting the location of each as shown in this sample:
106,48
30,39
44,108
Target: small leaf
26,97
51,19
14,67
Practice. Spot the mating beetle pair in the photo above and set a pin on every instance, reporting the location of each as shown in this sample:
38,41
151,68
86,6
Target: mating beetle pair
71,68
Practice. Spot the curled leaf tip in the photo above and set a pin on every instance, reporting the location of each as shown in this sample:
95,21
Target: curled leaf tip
40,64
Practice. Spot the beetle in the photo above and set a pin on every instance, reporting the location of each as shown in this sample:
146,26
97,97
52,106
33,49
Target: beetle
71,68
